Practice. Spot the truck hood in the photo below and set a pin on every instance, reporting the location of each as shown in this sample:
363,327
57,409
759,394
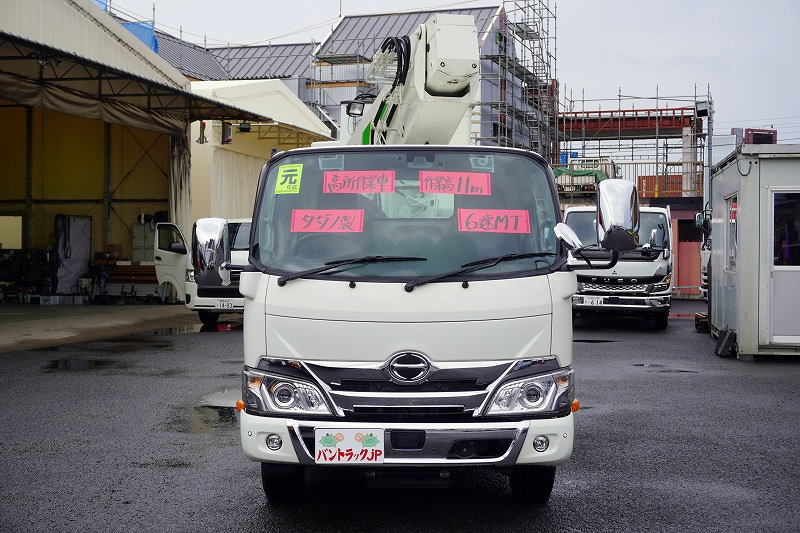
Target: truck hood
328,320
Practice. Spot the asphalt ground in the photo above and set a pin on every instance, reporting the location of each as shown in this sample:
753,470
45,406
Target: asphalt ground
117,435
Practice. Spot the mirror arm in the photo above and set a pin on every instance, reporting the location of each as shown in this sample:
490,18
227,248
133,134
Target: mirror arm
579,253
614,259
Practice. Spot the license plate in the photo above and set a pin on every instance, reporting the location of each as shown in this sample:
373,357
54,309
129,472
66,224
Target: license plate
593,300
348,446
224,304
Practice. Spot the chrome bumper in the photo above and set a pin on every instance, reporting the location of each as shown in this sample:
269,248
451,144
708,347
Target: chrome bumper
439,440
614,302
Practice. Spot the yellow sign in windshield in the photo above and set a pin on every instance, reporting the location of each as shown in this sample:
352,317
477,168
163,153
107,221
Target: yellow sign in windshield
288,181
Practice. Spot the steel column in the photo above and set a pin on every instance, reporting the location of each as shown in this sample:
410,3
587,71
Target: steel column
27,220
106,184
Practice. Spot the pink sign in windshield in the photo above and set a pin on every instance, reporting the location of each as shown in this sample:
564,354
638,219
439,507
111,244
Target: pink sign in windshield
494,220
358,181
439,181
327,220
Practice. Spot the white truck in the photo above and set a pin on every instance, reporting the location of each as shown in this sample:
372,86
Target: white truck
205,284
640,283
408,302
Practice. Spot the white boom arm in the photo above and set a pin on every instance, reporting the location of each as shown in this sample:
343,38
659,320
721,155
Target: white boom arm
430,83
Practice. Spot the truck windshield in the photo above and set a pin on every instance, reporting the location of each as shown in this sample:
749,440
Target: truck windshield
583,223
239,234
447,206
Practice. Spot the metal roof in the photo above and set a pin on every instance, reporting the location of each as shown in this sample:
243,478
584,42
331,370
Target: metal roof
192,60
268,61
76,84
360,36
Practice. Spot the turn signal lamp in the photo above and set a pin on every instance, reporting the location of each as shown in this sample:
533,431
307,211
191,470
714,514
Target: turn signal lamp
239,405
575,405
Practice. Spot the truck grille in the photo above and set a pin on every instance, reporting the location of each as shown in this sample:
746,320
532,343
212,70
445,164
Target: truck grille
356,385
231,291
614,287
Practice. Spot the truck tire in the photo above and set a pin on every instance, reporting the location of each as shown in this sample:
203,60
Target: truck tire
532,483
282,482
208,318
661,321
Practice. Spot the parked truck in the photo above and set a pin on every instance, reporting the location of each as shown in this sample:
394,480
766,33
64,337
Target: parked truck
205,282
408,297
640,283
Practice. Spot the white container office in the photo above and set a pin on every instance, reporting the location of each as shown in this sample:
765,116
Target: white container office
755,265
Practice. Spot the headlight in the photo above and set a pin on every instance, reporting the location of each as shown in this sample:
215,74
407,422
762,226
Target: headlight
189,274
534,394
663,284
263,391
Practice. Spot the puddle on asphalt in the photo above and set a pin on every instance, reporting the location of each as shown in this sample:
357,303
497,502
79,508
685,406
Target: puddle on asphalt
593,341
178,330
227,325
117,345
79,365
209,418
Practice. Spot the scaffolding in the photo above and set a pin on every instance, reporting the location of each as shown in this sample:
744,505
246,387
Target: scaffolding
658,142
518,104
519,89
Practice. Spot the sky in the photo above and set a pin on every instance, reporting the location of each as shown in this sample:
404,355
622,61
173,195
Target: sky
747,51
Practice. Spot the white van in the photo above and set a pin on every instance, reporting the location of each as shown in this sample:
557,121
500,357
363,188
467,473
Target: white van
207,285
640,283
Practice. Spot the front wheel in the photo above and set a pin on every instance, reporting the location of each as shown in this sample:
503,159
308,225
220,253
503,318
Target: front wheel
532,483
661,320
208,318
282,482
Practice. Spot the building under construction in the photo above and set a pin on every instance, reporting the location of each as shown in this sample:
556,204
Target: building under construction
519,94
658,142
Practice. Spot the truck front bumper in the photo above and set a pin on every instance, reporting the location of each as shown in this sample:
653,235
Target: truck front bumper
439,439
613,303
204,303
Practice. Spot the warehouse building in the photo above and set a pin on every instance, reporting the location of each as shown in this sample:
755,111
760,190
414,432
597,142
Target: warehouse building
94,142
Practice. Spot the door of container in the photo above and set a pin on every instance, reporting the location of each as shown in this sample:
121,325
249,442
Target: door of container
785,268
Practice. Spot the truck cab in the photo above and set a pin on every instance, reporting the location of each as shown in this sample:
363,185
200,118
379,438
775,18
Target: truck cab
206,284
408,306
640,283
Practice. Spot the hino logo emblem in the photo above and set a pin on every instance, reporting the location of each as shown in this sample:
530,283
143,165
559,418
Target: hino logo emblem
408,367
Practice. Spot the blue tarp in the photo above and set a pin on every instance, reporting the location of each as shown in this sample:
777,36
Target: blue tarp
145,32
102,4
566,156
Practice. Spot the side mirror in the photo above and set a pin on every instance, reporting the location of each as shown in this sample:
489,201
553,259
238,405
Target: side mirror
177,248
211,253
617,215
567,236
699,219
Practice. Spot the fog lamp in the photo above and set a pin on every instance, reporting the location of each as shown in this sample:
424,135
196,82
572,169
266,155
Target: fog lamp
274,442
540,443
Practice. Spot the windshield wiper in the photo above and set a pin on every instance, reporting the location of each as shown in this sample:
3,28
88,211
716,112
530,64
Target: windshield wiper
330,265
473,266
